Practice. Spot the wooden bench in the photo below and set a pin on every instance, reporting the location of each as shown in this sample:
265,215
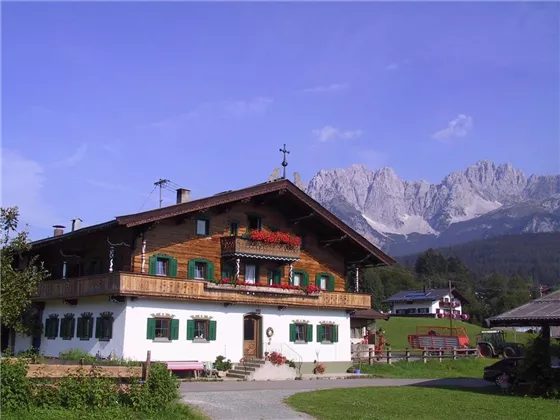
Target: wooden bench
193,365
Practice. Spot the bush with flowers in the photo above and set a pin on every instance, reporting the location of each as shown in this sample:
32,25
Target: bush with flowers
276,358
269,237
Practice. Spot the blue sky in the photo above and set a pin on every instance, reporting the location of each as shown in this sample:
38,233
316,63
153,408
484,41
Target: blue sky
99,100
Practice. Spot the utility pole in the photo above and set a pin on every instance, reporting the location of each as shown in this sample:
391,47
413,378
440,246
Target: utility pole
161,183
450,309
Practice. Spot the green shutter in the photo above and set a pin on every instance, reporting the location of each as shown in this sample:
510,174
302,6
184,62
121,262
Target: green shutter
152,265
89,327
209,271
72,328
48,327
335,334
304,278
330,281
80,331
190,329
98,327
318,280
110,328
190,269
172,267
292,332
174,329
276,279
207,227
212,330
319,333
56,324
309,329
257,274
151,329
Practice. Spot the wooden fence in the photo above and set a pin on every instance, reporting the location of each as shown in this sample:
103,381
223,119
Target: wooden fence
368,355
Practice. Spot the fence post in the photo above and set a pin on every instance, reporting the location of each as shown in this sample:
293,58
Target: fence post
454,353
146,369
440,358
370,356
388,357
424,356
407,355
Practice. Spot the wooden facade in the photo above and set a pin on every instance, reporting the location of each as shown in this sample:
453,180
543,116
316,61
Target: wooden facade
119,258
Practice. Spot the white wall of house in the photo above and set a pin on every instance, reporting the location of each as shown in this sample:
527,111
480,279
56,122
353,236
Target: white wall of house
229,332
22,343
432,306
52,347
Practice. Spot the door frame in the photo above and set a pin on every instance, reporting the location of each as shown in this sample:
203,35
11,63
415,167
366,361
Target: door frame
258,334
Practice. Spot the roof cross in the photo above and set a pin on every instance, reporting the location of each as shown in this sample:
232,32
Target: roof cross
284,162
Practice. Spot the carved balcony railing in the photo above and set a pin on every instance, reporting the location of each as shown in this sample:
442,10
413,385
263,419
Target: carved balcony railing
234,246
140,285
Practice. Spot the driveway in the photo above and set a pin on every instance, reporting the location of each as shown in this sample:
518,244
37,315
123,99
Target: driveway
231,400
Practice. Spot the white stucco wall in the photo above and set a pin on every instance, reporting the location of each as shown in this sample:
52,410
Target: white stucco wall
431,305
93,345
22,343
229,332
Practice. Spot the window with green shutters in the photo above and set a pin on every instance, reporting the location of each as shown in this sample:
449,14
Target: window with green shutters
199,269
300,278
85,326
325,281
201,330
301,333
327,333
67,327
104,326
274,277
51,326
162,329
162,265
233,228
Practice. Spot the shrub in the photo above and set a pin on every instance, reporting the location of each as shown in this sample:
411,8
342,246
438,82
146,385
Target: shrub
221,364
15,386
535,369
159,390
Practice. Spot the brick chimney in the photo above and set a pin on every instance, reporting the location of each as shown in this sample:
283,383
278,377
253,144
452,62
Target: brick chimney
183,195
58,230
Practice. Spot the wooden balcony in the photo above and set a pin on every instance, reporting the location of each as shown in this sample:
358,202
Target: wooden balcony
140,285
234,246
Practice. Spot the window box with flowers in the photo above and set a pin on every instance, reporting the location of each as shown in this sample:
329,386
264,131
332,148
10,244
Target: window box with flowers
263,242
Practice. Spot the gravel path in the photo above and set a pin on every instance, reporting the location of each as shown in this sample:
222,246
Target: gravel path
264,400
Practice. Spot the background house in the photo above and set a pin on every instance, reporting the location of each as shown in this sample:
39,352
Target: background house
428,303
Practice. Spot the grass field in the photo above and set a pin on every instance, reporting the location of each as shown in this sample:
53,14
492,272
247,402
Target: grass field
173,412
465,368
418,403
397,330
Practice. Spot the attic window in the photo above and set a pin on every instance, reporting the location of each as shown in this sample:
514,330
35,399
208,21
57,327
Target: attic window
254,222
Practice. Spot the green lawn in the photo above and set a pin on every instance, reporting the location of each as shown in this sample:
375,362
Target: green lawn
418,403
397,330
464,368
173,412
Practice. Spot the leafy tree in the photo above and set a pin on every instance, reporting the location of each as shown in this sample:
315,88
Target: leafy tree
19,280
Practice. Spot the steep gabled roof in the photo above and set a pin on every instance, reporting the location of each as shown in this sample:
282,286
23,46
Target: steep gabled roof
423,295
544,310
280,186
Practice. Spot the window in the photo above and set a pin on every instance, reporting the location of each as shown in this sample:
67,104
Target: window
254,223
162,329
67,326
324,281
94,267
300,278
274,277
233,228
356,333
327,333
85,326
104,326
202,227
200,269
201,330
400,311
301,333
250,273
423,310
51,327
162,265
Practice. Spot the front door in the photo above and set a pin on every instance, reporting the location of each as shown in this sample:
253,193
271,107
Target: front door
251,336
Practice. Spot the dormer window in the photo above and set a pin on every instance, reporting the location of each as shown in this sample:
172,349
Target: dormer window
254,222
202,227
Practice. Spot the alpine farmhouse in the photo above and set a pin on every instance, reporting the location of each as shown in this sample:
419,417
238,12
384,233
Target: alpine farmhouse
237,274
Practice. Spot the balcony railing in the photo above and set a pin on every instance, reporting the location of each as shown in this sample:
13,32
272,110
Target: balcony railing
234,246
140,285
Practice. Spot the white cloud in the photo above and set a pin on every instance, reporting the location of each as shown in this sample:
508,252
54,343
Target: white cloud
331,133
392,67
459,127
329,88
243,109
22,185
75,158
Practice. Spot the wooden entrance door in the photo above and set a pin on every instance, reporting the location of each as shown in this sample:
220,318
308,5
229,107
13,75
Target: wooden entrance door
251,336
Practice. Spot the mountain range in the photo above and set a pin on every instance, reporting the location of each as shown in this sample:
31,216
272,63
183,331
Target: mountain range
404,217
